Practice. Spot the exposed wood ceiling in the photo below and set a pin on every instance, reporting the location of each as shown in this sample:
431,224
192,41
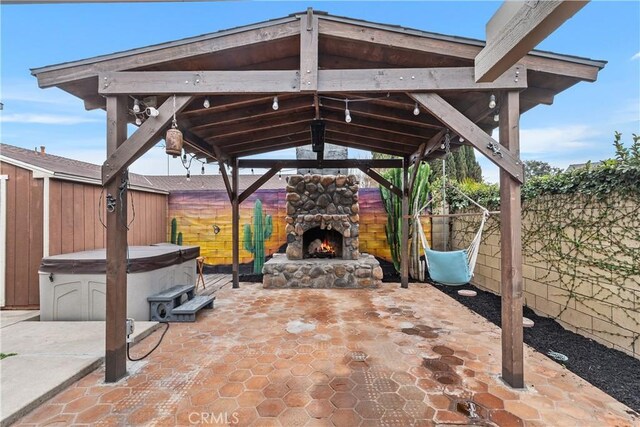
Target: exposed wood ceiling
245,124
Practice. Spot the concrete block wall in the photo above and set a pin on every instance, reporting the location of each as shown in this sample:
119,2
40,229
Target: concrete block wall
602,309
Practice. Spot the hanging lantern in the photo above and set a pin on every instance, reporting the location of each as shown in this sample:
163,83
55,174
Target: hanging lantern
173,138
174,141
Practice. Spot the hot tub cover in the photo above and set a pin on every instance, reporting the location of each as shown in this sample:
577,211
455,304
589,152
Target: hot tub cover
140,259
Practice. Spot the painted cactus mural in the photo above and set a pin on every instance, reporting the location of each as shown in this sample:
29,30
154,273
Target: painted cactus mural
174,230
254,242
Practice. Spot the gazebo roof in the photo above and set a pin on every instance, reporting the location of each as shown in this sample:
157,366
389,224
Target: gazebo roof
244,123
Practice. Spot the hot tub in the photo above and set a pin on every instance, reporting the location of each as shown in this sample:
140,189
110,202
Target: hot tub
73,286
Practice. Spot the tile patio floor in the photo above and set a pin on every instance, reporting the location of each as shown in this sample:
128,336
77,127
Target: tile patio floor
385,357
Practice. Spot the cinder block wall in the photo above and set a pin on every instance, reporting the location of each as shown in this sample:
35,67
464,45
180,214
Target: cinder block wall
606,311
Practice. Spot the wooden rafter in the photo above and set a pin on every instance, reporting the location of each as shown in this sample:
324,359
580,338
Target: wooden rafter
461,125
259,182
416,165
381,180
167,52
142,139
515,29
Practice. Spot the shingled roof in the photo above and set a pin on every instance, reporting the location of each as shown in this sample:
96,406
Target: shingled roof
76,170
65,168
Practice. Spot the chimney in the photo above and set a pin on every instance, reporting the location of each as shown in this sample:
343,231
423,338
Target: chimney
42,150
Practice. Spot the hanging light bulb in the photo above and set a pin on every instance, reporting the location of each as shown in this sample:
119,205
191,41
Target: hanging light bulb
136,106
251,171
280,176
184,156
188,175
275,105
442,146
202,170
496,116
138,121
206,103
461,139
492,101
416,110
347,113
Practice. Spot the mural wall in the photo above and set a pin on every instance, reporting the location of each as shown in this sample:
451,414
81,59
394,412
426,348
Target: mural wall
199,214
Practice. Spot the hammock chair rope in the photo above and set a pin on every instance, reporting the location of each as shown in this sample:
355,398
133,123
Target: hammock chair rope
451,258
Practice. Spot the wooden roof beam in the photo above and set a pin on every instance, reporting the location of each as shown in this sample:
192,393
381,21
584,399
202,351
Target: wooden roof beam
309,52
461,125
142,139
320,164
284,81
152,55
515,29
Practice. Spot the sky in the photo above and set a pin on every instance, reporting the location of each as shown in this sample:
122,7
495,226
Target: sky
578,127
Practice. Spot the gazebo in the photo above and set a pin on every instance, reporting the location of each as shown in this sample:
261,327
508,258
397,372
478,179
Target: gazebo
258,88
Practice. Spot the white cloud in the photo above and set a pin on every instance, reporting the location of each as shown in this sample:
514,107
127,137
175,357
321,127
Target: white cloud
45,119
553,140
636,56
14,91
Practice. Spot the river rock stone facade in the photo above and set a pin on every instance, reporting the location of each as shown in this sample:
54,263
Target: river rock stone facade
280,272
324,201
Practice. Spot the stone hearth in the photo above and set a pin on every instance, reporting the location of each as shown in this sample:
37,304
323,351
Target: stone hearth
280,272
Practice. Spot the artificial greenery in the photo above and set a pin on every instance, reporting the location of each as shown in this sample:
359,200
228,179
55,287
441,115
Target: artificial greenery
584,226
5,355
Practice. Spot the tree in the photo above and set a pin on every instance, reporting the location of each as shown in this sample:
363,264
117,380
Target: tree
461,164
535,168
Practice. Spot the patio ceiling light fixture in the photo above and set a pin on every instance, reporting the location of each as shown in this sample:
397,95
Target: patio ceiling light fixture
347,113
275,105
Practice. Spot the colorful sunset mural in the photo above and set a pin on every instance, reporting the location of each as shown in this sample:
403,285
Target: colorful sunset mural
197,212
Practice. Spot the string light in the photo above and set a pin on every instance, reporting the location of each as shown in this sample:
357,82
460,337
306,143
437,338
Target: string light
496,116
275,105
461,139
202,170
416,110
492,101
138,121
188,175
347,113
136,106
206,103
280,176
251,171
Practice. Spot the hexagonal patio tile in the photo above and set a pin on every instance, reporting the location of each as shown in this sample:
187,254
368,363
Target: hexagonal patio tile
345,418
320,408
270,408
342,384
344,400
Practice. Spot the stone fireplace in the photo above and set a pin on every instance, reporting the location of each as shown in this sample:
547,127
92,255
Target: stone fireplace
323,228
319,205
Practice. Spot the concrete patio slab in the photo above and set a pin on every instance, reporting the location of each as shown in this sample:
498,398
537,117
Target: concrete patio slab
50,357
333,357
10,317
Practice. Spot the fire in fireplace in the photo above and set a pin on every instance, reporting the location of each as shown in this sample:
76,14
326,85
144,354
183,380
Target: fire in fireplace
319,243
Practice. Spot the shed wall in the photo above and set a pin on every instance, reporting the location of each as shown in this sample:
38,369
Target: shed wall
74,225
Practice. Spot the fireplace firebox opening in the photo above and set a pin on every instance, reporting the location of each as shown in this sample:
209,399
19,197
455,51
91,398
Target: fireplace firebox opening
322,243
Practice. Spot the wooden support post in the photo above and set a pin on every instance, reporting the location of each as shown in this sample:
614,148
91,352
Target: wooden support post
116,306
404,250
511,249
235,224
